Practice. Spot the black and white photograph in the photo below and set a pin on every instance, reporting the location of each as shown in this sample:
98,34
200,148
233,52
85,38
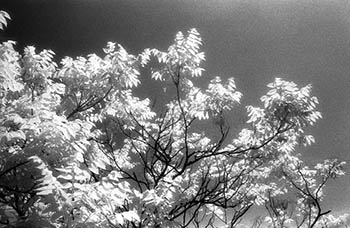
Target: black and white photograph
174,114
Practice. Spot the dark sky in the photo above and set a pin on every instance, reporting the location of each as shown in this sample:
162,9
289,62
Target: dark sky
253,41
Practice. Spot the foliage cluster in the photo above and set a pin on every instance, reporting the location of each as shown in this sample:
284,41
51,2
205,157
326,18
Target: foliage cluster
78,148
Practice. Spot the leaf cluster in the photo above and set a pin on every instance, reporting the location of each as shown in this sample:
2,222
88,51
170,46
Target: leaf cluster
78,148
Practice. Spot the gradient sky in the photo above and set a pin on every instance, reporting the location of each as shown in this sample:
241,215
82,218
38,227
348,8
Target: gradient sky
253,41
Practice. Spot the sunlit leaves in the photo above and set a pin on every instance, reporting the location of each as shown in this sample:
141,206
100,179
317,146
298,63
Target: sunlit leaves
4,16
94,81
47,183
331,168
128,108
37,69
183,55
9,72
288,103
89,153
122,67
222,96
331,221
102,203
198,103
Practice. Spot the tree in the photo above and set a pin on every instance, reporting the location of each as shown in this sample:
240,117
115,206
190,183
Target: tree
80,149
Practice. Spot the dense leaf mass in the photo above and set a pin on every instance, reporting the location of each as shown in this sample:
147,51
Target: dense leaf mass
78,148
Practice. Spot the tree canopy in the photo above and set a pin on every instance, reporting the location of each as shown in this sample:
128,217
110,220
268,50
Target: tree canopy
78,148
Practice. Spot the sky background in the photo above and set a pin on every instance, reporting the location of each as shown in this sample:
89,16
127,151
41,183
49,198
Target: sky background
253,41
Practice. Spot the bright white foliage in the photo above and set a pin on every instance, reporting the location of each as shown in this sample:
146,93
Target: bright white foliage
79,149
